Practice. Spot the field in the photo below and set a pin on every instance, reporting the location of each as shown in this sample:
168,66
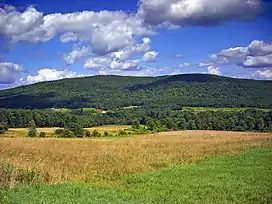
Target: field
104,160
170,167
203,109
236,178
22,132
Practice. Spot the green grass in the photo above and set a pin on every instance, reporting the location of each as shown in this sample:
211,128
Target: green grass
203,109
242,178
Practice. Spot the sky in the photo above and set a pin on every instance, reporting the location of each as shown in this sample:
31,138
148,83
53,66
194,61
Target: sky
50,40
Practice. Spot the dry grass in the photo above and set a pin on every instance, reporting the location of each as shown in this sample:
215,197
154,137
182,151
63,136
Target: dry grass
109,159
22,132
109,128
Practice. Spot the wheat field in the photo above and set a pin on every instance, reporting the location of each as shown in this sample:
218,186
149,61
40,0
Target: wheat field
105,160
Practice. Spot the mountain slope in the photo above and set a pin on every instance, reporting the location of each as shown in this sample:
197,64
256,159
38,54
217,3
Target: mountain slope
118,91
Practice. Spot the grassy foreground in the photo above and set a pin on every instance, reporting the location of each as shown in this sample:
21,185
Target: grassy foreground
108,160
237,178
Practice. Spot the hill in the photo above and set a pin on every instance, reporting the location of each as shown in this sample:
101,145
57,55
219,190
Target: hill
119,91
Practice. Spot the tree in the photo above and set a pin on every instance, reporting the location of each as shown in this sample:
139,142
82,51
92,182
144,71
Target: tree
32,131
42,134
135,124
87,133
3,128
150,124
76,128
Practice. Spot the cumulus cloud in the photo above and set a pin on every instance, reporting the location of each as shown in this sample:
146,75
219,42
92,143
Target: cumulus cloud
258,54
68,37
264,73
109,63
106,31
258,61
9,72
49,75
75,55
214,70
119,60
197,12
150,56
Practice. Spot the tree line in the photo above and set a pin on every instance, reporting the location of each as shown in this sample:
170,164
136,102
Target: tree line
154,120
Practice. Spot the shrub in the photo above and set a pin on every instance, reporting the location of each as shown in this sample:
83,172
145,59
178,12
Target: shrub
106,134
122,132
135,124
3,128
42,134
59,131
32,131
76,128
67,134
96,134
87,133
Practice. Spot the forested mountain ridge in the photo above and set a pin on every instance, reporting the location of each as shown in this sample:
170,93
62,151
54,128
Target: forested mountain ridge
119,91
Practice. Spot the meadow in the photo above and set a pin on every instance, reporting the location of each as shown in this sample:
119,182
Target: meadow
22,132
104,161
245,178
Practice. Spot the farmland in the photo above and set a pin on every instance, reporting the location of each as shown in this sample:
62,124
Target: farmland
193,166
104,160
22,132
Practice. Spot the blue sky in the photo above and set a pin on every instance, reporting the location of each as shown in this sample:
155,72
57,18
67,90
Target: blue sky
49,40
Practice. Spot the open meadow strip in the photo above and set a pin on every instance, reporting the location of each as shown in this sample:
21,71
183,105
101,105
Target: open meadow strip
245,177
104,160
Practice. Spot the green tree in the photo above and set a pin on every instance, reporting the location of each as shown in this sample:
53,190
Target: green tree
3,128
32,131
150,124
42,134
76,128
135,124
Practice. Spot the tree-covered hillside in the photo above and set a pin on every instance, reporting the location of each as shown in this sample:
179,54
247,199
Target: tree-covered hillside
118,91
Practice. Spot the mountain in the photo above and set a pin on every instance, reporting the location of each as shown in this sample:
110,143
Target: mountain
119,91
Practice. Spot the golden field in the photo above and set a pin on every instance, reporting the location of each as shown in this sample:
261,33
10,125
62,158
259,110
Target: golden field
22,132
104,160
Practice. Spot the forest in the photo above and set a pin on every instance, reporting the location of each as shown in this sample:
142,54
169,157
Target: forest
155,120
166,92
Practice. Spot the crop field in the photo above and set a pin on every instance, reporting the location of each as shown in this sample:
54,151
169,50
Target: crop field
22,132
170,167
104,160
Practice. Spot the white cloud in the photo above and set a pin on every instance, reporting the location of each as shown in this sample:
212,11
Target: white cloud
150,56
108,63
144,47
258,61
180,55
75,55
256,55
68,37
264,73
214,70
106,31
202,64
49,75
136,71
258,48
9,72
185,64
197,12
